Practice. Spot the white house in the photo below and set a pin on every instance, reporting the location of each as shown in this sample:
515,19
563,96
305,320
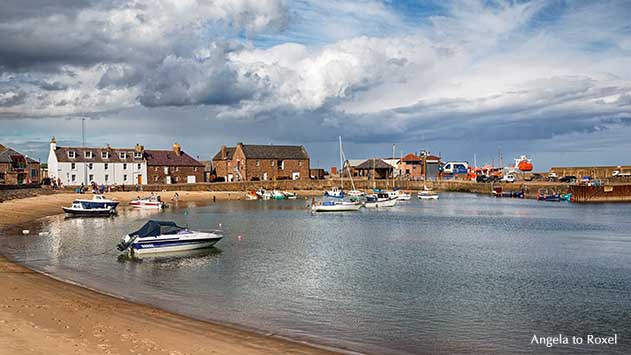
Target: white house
108,166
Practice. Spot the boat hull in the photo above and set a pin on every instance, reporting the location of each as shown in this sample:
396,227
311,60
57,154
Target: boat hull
337,208
89,212
153,205
380,204
428,197
171,246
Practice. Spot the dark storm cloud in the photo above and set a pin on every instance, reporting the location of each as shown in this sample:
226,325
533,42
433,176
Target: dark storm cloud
11,97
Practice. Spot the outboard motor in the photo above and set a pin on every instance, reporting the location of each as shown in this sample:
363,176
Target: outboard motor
125,243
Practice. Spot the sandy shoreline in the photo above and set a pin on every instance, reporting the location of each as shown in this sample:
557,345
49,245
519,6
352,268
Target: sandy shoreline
40,315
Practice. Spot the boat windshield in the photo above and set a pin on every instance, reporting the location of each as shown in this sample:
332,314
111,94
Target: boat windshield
156,228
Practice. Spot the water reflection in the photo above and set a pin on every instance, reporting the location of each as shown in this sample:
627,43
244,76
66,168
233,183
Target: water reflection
465,274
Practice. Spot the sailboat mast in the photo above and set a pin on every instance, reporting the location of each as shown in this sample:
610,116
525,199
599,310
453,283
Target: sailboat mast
341,166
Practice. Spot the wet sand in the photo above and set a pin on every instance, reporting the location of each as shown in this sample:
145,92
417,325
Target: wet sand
40,315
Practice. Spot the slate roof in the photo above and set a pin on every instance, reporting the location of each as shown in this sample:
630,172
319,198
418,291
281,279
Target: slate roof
7,153
114,155
252,151
169,158
229,153
378,164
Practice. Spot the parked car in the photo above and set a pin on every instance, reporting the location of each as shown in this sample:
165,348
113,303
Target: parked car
552,177
570,179
508,178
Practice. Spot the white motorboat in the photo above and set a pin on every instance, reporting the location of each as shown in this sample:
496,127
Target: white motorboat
290,195
152,201
80,208
335,206
402,195
356,193
97,201
277,195
334,192
161,236
379,200
427,194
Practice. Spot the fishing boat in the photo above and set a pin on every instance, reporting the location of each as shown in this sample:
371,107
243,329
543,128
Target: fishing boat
335,193
544,195
80,208
335,206
163,236
379,200
427,194
523,163
98,201
152,201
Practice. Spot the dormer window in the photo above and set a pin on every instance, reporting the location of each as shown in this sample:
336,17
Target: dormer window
105,155
137,155
88,155
72,154
122,155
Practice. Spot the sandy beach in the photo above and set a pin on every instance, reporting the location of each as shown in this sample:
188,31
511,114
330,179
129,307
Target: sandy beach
40,315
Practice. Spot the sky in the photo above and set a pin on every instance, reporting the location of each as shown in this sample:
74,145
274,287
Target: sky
550,79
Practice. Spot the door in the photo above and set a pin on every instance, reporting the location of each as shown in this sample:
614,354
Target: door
168,180
139,179
295,176
190,179
230,177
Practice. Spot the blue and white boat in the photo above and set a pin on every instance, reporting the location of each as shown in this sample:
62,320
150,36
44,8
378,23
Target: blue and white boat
97,206
163,236
97,201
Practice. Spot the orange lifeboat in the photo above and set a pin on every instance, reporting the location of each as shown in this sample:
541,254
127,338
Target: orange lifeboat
523,163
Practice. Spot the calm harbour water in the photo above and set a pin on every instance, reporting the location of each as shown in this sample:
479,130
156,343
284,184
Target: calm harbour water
465,274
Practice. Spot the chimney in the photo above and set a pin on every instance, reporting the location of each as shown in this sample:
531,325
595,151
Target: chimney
108,146
223,152
176,149
53,144
139,148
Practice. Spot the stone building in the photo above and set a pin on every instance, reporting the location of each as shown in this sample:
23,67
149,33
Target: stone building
17,168
248,162
173,167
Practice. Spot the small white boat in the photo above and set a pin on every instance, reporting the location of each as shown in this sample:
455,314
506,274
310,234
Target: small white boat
79,208
290,195
277,195
356,193
263,194
152,201
402,195
160,236
379,200
427,194
336,206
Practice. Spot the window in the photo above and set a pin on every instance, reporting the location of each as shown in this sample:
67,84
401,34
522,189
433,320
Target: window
122,155
107,177
105,155
73,166
91,177
137,155
73,177
2,177
281,165
155,169
106,166
177,168
166,170
124,166
139,167
87,155
407,171
300,163
155,178
175,179
34,173
195,169
90,166
71,155
271,163
257,163
125,177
